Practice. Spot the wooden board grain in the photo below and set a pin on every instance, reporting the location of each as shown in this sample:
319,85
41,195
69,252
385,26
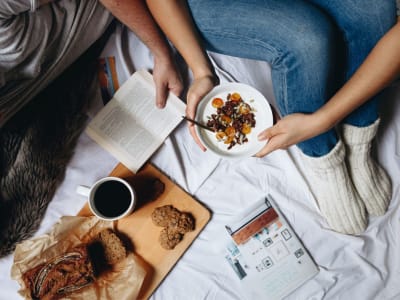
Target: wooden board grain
140,230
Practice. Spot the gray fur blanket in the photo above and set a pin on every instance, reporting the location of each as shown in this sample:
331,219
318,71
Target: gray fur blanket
36,146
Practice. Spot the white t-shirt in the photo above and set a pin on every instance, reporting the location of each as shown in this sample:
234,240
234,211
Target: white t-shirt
38,40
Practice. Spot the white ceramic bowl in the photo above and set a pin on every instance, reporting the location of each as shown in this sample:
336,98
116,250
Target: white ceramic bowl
263,117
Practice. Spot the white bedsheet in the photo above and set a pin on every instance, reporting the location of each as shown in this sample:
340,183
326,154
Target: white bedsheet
363,267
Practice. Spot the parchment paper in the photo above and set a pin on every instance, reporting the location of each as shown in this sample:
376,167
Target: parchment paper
123,281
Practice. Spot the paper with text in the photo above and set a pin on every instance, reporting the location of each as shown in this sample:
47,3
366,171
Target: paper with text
265,253
130,126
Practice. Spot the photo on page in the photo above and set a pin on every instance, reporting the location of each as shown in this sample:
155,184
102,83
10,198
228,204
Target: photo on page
265,253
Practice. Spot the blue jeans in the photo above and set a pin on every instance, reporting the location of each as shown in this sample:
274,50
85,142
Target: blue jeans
313,47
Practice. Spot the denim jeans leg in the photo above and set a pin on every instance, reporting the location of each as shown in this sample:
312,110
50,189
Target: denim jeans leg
363,23
295,37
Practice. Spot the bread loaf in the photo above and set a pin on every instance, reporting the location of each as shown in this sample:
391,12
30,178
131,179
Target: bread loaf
113,247
64,274
75,269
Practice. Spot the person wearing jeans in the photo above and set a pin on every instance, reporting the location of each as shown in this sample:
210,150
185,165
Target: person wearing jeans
313,47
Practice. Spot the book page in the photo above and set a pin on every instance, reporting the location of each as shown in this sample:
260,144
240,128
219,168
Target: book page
139,99
131,144
130,126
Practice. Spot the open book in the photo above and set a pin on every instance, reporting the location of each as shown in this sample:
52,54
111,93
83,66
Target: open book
130,126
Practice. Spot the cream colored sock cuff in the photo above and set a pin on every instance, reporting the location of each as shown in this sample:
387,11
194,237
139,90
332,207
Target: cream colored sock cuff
334,192
332,159
355,135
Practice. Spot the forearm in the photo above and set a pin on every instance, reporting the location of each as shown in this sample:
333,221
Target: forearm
174,18
136,16
380,68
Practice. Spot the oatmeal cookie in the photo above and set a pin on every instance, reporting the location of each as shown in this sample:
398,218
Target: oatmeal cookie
169,238
166,215
175,223
185,223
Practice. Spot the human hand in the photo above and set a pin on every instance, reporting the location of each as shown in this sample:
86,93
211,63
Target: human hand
167,79
290,130
199,88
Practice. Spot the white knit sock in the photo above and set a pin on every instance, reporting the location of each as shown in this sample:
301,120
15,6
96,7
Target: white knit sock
371,181
334,191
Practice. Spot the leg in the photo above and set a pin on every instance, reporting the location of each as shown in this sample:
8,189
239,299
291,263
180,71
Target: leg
299,41
370,179
368,21
363,23
296,38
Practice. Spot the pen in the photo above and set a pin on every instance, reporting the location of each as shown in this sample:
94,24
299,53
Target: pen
198,124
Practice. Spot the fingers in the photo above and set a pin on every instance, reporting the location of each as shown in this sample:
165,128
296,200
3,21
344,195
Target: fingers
199,88
268,133
193,100
191,113
177,89
191,108
193,133
163,89
275,139
161,95
271,146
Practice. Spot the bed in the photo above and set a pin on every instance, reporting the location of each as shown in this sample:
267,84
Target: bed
351,267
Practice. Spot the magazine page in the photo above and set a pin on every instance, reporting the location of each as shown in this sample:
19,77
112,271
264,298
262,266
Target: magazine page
265,253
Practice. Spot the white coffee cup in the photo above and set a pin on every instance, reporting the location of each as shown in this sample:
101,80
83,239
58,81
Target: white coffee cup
110,198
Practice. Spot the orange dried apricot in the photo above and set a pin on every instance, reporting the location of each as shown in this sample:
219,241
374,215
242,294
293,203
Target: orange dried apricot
246,128
235,97
217,102
229,140
230,131
226,119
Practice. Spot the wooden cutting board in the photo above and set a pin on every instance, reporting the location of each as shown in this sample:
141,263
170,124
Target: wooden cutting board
139,229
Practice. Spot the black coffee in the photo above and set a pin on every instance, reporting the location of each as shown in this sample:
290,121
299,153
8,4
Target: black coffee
112,198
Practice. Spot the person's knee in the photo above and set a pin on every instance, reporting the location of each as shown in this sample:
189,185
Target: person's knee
311,45
314,43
